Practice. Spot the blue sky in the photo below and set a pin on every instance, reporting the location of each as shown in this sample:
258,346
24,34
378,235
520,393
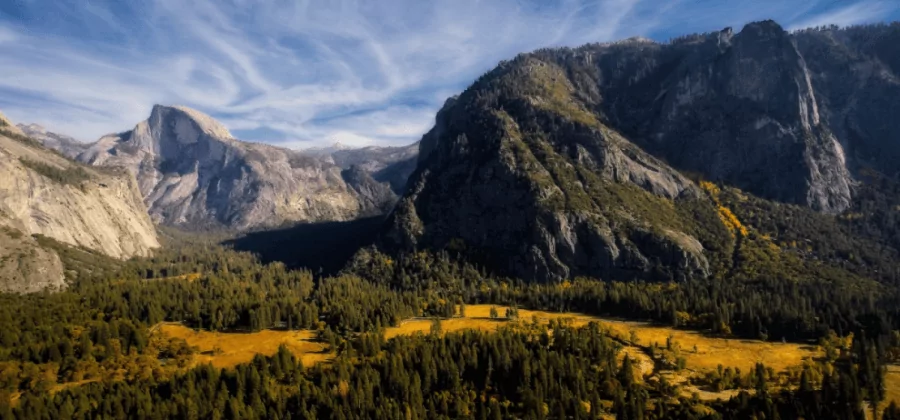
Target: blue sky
309,73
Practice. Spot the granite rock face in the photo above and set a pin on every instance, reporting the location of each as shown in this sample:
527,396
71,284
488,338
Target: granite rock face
855,73
742,109
568,162
44,193
194,174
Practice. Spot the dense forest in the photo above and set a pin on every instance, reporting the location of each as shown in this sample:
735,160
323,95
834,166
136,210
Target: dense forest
98,335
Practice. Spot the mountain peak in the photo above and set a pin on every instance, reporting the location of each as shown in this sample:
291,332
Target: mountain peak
204,122
763,29
32,128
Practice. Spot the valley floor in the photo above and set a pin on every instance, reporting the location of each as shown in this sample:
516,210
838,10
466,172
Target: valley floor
651,348
702,354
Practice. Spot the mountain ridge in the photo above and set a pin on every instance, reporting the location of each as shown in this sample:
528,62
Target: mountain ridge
193,173
570,161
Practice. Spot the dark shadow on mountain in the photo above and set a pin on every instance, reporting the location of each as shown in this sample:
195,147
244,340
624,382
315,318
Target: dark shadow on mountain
323,248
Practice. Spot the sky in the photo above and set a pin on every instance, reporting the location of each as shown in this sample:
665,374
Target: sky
311,73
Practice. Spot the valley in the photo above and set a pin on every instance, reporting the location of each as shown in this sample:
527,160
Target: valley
703,354
698,228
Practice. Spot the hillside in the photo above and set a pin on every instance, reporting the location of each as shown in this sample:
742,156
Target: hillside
45,194
572,162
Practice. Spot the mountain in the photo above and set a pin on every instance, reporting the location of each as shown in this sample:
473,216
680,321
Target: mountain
582,162
194,174
324,151
386,164
45,194
62,143
854,73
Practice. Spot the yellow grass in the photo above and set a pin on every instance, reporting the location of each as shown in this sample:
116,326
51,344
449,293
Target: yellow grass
711,351
643,364
63,386
226,350
891,387
190,277
237,348
892,384
423,325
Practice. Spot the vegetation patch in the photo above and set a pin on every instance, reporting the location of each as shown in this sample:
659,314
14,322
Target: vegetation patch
28,141
73,175
227,350
728,218
704,353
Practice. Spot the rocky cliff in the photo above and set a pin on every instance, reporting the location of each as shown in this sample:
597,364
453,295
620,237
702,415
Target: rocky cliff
740,108
43,193
568,162
855,73
192,173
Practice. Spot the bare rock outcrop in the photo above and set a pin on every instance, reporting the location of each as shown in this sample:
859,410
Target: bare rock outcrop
43,193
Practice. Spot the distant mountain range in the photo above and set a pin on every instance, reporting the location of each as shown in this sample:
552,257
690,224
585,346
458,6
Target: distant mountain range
194,174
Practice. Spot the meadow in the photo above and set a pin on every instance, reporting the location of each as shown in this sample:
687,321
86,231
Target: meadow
702,353
226,350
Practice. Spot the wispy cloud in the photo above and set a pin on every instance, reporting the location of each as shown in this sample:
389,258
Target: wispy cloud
849,14
304,73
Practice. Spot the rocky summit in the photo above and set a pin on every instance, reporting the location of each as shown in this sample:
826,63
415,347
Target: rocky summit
570,162
194,174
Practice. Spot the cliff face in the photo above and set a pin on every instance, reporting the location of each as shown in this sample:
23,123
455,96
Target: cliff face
854,72
192,173
738,108
567,162
44,193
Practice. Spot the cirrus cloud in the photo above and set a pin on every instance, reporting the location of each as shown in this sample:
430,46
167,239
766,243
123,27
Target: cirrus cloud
308,73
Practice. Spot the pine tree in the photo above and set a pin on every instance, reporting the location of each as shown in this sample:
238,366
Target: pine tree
436,328
892,412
